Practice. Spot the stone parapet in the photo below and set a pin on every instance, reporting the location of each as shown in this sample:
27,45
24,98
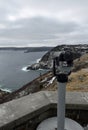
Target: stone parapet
18,114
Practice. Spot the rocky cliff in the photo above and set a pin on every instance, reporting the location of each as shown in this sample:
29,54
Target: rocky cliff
46,60
77,51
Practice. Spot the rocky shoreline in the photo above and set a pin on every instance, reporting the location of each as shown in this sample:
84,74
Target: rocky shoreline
47,81
32,87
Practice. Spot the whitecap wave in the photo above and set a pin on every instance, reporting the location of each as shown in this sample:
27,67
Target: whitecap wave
40,69
37,61
5,90
25,69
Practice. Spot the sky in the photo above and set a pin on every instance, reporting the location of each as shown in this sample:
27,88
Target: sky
43,22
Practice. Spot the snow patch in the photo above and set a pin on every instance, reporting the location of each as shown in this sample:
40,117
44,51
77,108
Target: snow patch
51,81
44,80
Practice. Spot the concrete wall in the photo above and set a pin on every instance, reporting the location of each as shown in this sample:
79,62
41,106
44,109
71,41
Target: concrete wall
27,112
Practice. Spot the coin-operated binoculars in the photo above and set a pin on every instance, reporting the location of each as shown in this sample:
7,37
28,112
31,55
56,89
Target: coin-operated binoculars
62,65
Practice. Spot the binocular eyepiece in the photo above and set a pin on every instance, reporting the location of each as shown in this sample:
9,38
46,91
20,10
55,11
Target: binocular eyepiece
64,57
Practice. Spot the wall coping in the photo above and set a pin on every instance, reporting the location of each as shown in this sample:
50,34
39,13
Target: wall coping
34,104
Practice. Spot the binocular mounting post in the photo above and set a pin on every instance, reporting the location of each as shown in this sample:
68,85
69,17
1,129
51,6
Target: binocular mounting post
62,65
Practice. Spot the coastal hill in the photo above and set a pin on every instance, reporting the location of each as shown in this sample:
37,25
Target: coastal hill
26,49
78,80
46,60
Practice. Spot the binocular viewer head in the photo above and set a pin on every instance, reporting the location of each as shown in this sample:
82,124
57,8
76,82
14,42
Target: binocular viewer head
65,57
62,62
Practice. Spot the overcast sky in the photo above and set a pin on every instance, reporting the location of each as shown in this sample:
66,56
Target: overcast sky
43,22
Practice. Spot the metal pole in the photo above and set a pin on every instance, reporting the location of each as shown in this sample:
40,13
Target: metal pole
61,106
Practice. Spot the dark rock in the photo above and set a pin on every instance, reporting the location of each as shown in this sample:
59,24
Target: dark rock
35,66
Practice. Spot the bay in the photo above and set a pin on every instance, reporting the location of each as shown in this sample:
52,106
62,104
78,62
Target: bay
13,74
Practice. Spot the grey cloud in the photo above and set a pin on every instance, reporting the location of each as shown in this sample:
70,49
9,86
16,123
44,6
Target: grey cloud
53,20
37,28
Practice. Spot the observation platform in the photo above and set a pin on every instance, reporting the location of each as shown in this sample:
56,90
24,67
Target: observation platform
27,112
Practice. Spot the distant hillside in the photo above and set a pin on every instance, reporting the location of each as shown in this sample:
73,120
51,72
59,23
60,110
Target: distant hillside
37,49
27,49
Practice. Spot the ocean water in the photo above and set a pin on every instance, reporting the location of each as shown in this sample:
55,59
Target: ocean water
13,73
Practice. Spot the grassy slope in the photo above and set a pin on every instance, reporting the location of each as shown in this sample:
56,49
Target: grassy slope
78,80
